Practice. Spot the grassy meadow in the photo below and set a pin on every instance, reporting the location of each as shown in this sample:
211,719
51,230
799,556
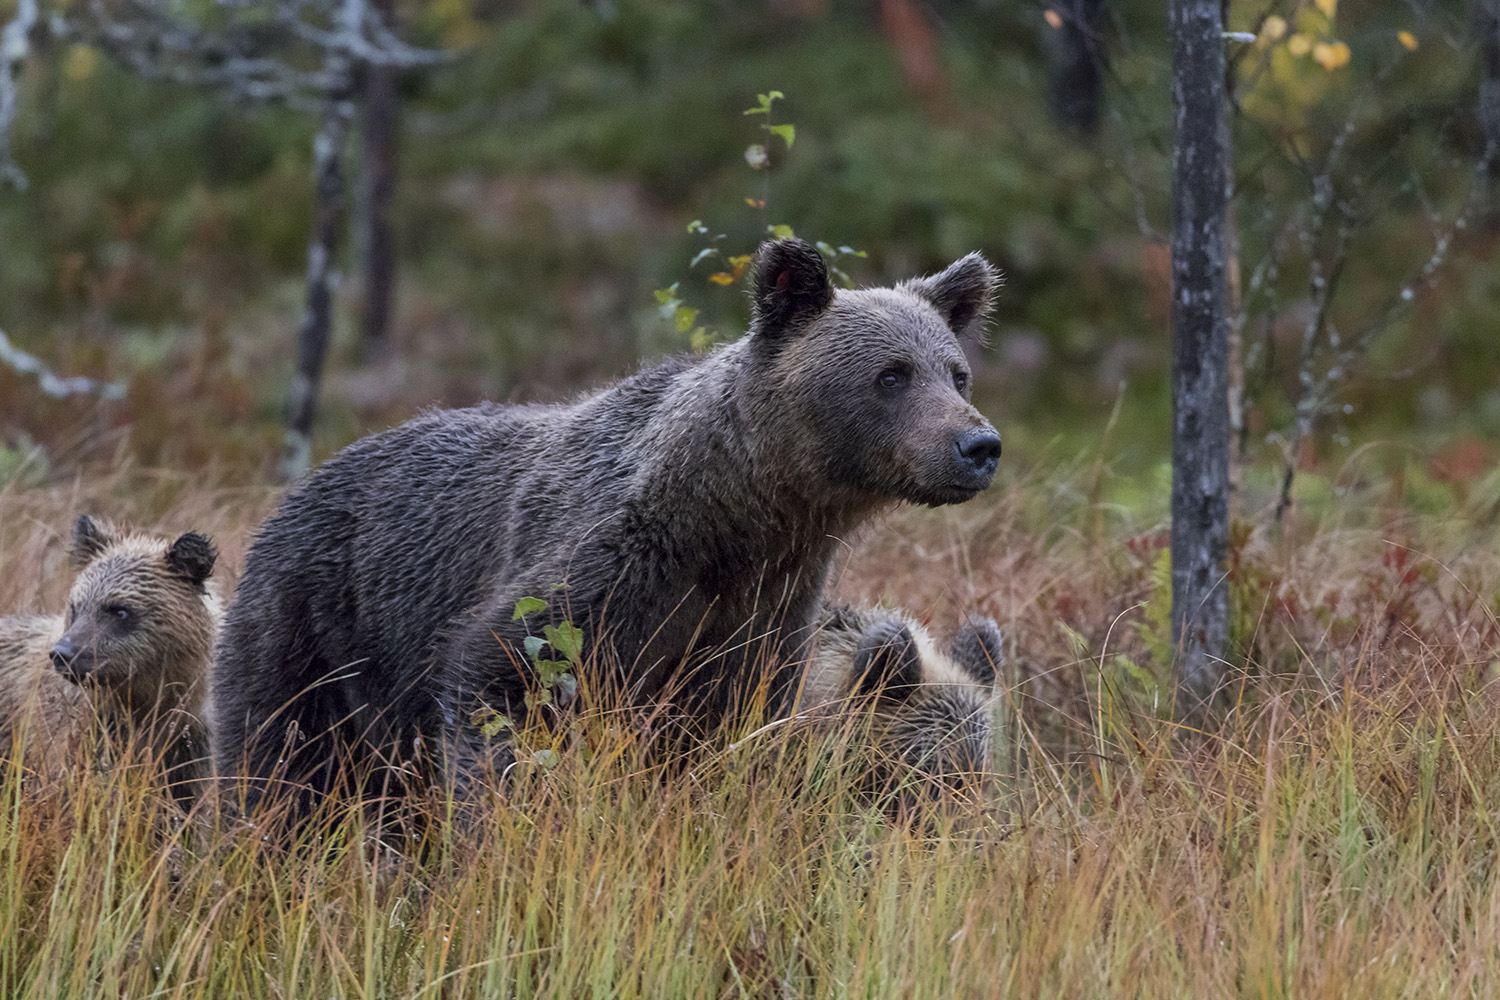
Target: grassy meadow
1336,835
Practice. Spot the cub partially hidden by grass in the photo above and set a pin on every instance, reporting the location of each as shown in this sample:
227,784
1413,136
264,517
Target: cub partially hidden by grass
132,653
930,709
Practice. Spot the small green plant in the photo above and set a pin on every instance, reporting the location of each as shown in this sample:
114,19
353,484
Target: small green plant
556,676
732,267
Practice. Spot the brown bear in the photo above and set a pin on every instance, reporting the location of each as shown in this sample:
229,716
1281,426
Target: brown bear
929,709
132,652
683,518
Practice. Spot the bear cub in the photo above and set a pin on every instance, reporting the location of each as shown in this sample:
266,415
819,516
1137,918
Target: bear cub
929,708
131,652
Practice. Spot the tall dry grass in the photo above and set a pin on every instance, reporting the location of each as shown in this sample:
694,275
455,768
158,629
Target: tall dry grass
1336,836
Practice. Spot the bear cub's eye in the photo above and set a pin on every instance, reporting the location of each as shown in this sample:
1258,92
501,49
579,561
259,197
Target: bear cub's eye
960,381
893,378
120,612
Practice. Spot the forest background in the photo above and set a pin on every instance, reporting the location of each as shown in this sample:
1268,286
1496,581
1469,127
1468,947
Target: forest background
549,164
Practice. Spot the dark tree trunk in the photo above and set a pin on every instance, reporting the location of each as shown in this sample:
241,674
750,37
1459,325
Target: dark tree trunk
317,317
1489,104
1076,57
378,130
1200,326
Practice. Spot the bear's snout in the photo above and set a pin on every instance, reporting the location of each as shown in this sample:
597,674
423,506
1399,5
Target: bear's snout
978,452
63,654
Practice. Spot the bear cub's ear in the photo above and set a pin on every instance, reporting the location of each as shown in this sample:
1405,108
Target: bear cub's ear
90,538
962,293
887,661
979,648
192,558
791,288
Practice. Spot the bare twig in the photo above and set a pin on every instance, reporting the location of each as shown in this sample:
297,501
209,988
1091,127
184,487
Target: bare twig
54,385
15,41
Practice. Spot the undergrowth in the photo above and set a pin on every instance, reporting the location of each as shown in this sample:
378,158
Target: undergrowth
1334,837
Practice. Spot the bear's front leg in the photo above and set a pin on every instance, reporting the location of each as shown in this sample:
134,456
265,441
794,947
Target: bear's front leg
490,681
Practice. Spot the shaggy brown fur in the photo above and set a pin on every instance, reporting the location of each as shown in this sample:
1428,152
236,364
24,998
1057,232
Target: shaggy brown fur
131,652
683,518
930,709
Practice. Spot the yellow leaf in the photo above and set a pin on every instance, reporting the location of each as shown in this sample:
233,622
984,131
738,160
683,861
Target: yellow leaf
1331,56
1052,17
1328,7
80,62
1408,40
1273,28
722,278
1299,44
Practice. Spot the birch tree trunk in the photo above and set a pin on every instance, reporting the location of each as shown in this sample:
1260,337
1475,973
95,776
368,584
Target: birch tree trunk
322,253
1200,357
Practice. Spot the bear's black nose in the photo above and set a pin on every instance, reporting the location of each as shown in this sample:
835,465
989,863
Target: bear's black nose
979,448
62,655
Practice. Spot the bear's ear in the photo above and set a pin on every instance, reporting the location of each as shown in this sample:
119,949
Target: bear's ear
90,537
962,293
791,288
887,661
979,648
192,558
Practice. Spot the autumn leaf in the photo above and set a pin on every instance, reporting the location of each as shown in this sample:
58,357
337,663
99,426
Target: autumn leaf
1299,45
1273,28
1331,55
1052,17
721,278
1408,40
1328,7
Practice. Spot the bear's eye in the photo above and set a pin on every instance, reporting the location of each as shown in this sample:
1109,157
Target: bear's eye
893,378
960,381
119,612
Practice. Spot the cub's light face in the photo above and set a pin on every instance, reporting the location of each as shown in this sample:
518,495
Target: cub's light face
108,623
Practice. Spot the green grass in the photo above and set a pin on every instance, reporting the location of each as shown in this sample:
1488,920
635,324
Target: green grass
1335,838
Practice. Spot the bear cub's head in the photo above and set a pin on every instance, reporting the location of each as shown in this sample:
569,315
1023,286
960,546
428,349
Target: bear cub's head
930,708
140,618
869,388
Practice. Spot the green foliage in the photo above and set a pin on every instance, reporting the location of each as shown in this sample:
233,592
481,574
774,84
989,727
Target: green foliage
673,307
1156,616
546,177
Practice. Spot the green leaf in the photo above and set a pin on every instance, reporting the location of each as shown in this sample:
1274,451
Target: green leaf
700,255
567,639
685,316
534,644
666,295
546,758
764,103
697,226
495,725
550,670
787,132
526,606
782,232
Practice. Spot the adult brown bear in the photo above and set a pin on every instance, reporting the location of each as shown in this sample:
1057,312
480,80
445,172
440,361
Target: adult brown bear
684,518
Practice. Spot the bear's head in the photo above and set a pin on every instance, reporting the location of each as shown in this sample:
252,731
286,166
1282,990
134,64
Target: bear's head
929,709
140,618
870,387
